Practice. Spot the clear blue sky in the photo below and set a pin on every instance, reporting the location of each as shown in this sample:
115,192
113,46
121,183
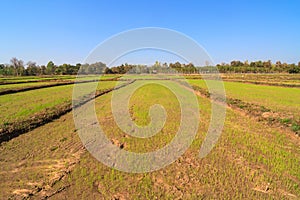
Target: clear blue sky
66,31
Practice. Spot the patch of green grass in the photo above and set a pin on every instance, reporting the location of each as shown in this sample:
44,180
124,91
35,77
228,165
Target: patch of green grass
295,127
286,120
20,106
248,158
285,79
279,99
35,78
23,85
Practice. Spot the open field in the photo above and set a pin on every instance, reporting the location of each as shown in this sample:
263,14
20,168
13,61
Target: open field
280,99
15,87
284,80
32,79
23,105
251,160
26,79
23,85
274,103
150,100
37,107
273,79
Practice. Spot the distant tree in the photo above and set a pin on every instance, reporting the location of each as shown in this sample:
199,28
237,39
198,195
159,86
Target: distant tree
278,64
6,70
50,69
76,68
2,66
18,66
267,66
107,70
157,64
116,70
43,70
293,69
83,69
2,69
236,63
252,64
95,68
285,66
32,69
259,64
190,68
165,65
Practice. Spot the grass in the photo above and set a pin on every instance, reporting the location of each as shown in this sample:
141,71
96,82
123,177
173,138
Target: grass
22,85
28,79
139,105
27,85
244,162
284,79
279,99
23,105
250,161
34,78
149,76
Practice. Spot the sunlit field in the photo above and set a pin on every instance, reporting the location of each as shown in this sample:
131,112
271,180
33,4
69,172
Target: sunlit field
256,157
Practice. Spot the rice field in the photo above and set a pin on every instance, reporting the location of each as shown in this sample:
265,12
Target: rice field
251,160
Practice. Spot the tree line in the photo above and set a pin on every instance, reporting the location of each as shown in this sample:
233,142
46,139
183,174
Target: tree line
18,68
258,67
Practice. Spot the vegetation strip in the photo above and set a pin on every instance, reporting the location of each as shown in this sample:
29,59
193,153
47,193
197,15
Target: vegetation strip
53,79
260,112
263,83
248,81
12,91
11,130
31,81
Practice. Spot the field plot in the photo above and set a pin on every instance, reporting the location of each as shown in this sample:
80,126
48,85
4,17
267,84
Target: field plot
284,80
277,98
21,86
273,102
32,79
289,80
250,161
23,110
28,79
23,105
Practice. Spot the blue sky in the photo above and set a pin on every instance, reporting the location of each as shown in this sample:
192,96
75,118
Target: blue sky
66,31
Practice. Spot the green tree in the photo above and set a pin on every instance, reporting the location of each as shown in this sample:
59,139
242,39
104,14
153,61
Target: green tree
18,66
43,70
293,69
32,69
50,69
